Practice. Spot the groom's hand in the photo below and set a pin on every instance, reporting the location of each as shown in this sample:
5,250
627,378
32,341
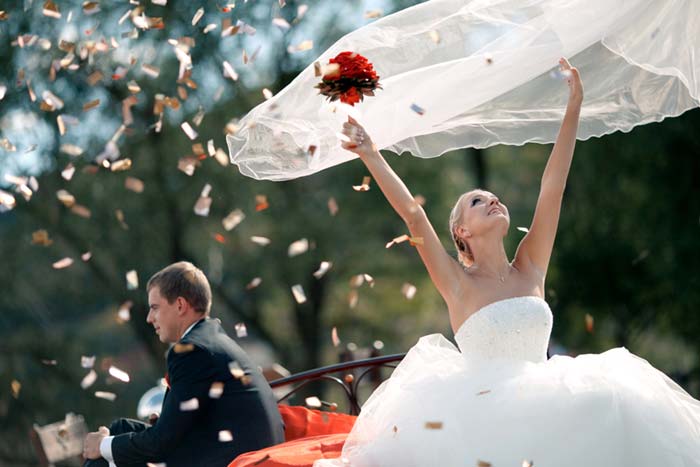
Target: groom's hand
91,445
573,79
359,141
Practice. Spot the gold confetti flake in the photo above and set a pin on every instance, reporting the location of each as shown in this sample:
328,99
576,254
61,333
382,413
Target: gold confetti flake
480,463
216,390
90,8
108,396
119,374
261,203
332,206
589,323
3,15
334,337
434,36
433,425
353,298
51,10
323,268
91,105
297,248
63,263
225,436
364,186
241,330
255,282
234,218
89,379
41,237
16,387
71,150
120,165
183,348
313,402
373,14
299,295
303,46
80,210
132,280
150,70
258,240
189,405
408,290
221,157
134,184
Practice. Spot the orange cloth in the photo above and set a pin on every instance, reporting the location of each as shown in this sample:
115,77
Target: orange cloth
310,435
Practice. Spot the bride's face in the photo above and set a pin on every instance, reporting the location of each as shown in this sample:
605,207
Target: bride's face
483,212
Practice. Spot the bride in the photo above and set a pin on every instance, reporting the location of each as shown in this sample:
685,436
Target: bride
498,401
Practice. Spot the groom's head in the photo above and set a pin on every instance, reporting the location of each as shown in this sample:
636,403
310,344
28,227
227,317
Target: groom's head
178,295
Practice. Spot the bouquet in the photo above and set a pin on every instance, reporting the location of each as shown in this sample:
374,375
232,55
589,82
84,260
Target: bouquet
348,77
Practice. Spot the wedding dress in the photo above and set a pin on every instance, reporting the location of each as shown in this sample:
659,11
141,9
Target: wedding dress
475,73
499,401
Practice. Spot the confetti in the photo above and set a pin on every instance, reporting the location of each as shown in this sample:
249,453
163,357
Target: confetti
434,36
68,172
480,463
86,256
353,299
241,330
334,337
408,290
120,165
523,229
132,280
51,10
481,393
91,105
298,292
108,396
229,72
16,386
183,348
81,211
41,237
256,281
124,312
267,94
216,390
488,58
89,379
134,184
297,248
225,436
87,362
121,375
281,23
527,463
417,109
150,70
313,402
589,323
189,405
433,425
359,279
262,241
187,165
7,201
323,268
234,218
63,263
261,203
301,12
301,47
189,131
364,186
197,16
71,150
201,207
90,8
373,14
236,370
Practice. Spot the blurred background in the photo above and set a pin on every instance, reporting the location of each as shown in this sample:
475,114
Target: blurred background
102,186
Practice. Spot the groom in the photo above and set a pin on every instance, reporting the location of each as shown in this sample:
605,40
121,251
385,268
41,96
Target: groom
218,405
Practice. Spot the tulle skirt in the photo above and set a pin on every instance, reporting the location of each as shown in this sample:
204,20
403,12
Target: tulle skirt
605,410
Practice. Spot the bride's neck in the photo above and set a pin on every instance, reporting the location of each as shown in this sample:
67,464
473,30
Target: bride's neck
489,255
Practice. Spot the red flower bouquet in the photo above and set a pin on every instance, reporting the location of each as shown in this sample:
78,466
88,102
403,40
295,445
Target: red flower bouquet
349,77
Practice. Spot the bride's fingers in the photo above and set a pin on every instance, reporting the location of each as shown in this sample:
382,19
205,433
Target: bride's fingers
564,63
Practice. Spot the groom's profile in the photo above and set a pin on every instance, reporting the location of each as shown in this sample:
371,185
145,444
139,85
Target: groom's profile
217,406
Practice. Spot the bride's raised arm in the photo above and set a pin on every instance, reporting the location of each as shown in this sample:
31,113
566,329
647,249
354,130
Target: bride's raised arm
536,246
443,269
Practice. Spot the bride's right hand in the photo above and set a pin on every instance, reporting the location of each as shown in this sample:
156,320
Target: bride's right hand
573,79
360,143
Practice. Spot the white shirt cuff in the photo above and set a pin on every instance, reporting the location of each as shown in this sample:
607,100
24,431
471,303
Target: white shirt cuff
106,450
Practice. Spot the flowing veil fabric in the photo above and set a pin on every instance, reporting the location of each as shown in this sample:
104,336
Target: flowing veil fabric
483,71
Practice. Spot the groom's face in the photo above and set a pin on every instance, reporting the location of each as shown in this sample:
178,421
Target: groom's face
163,316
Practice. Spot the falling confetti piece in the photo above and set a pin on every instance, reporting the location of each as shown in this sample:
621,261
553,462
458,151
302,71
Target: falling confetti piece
187,165
201,207
189,405
41,237
87,362
417,109
261,203
197,16
150,70
234,218
81,211
481,393
91,105
481,463
68,172
334,337
189,131
262,241
89,379
216,390
253,283
71,150
132,280
297,248
225,436
63,263
124,312
364,186
16,386
281,23
332,206
408,290
120,165
523,229
298,292
183,348
86,256
589,323
121,375
108,396
229,72
322,269
353,298
373,14
241,330
313,402
528,464
51,10
301,47
434,36
433,425
236,370
134,184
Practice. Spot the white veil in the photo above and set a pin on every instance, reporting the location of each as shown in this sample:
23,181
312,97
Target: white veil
483,72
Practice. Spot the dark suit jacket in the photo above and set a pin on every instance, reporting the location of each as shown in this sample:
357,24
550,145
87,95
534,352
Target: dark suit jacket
246,409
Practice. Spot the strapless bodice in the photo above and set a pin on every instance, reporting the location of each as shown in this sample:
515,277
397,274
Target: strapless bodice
515,328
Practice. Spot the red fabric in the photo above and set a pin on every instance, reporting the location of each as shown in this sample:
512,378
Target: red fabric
310,435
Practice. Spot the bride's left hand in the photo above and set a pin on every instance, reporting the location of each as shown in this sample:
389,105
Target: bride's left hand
360,143
573,79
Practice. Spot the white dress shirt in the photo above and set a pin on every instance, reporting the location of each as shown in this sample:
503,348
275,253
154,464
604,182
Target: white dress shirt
106,443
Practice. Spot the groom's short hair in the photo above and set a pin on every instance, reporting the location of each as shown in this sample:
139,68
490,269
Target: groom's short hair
183,279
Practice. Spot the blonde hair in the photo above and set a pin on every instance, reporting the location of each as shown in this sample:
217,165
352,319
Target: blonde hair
464,253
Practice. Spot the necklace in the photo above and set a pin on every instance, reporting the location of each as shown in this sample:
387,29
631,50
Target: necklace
501,277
